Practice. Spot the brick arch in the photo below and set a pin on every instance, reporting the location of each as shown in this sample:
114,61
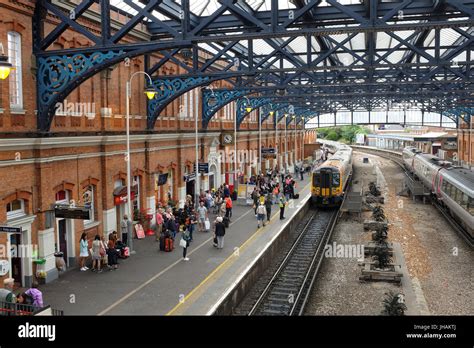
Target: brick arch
90,181
14,25
159,168
66,186
139,172
26,196
120,176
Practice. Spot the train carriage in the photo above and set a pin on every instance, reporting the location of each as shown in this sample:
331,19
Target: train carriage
453,187
330,178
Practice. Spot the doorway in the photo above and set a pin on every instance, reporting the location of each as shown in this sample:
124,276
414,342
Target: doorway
190,188
62,231
15,247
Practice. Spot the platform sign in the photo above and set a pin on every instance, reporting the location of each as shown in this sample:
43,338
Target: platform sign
269,152
8,229
203,167
66,212
190,177
162,179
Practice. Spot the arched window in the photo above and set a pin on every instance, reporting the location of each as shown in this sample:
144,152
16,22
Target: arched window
14,57
15,209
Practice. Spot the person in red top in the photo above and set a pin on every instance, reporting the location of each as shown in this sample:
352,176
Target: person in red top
228,207
159,224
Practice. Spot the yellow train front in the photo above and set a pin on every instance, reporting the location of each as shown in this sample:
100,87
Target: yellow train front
329,180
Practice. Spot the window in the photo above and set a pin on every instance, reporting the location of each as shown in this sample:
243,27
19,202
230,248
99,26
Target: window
61,196
89,201
15,209
470,206
464,200
136,202
170,184
336,179
316,179
14,57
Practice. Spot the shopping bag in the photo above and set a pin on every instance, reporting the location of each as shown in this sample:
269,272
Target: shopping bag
183,243
207,224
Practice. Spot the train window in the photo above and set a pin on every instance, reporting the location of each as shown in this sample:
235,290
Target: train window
443,187
464,200
458,197
336,179
316,181
470,206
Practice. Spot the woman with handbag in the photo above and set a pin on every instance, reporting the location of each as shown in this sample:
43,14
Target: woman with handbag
184,243
96,254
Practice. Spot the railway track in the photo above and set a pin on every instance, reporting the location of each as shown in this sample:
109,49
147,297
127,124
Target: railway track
287,291
397,158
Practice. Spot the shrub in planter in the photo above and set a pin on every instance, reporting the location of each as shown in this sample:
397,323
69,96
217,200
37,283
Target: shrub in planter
394,304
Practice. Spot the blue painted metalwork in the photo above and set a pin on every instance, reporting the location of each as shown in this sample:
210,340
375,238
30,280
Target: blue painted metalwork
57,72
167,91
58,75
213,101
243,103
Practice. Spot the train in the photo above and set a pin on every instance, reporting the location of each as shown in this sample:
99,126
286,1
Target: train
451,186
329,179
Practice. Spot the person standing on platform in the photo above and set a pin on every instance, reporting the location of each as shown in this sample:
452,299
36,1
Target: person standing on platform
268,206
187,239
125,228
203,215
261,214
192,224
302,172
282,204
255,200
96,256
220,232
226,191
228,207
83,251
159,224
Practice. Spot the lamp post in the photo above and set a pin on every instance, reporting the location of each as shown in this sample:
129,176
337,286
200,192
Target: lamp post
286,143
302,139
294,151
5,66
248,109
150,93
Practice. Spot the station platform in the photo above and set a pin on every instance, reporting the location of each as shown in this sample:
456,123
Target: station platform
153,282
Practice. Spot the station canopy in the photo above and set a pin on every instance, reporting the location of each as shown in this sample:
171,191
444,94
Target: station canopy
323,57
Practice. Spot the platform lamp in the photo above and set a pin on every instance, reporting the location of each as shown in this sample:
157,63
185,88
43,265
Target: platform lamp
271,113
302,138
286,143
248,109
5,66
294,150
150,92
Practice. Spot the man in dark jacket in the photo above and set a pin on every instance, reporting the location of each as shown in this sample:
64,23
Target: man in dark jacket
220,232
268,206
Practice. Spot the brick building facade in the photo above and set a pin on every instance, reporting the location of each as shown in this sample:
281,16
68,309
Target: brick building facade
85,152
466,142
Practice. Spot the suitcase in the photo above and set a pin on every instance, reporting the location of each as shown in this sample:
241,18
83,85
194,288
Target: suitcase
296,196
162,243
226,221
168,244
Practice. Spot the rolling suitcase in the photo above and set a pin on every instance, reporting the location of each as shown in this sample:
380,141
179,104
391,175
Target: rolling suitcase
162,243
226,221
